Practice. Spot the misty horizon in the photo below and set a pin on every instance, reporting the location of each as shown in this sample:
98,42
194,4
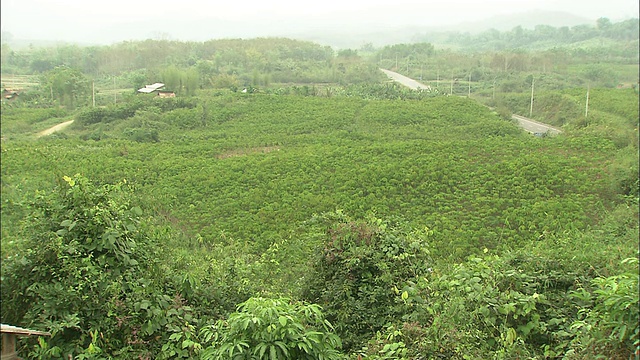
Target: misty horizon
103,24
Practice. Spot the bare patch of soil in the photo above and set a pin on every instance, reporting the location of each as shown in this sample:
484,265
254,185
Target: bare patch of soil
249,151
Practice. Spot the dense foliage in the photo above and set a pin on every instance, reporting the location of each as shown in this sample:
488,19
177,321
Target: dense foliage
184,67
357,275
89,267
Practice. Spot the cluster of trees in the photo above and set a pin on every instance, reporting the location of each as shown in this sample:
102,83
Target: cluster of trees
542,36
152,54
417,53
188,65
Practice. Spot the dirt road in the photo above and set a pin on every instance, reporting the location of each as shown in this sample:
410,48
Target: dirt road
53,129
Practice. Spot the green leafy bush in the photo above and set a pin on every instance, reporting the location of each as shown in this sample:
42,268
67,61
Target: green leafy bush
483,305
608,325
272,329
95,115
141,135
386,345
360,271
88,272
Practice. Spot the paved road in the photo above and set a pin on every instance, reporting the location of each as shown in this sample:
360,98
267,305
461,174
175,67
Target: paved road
408,82
53,129
535,127
527,124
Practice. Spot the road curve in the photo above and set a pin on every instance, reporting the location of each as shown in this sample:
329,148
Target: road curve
53,129
535,127
408,82
527,124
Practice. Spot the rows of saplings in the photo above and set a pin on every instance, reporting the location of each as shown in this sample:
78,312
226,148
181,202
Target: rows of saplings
110,278
312,155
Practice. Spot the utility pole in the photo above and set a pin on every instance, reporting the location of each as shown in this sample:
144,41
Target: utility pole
533,80
451,91
494,89
586,107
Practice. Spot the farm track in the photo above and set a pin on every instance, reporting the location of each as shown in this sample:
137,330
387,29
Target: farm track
55,128
527,124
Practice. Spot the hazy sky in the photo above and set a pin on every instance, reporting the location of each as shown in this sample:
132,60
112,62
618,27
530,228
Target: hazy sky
117,20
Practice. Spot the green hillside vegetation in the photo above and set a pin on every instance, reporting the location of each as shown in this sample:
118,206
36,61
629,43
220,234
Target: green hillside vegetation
184,66
323,213
604,55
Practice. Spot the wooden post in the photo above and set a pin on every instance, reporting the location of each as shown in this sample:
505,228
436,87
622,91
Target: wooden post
9,347
9,334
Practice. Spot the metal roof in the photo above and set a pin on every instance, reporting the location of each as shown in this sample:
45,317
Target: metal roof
151,88
154,86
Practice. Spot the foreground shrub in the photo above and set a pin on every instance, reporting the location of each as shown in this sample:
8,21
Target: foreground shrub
272,329
88,271
608,324
361,270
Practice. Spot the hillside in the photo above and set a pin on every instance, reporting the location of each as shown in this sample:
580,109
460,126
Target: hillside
244,181
287,201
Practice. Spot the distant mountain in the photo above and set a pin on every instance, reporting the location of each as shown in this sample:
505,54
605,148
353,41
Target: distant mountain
355,38
527,20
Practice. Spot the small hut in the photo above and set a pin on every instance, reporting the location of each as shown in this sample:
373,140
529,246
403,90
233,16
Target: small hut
166,94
